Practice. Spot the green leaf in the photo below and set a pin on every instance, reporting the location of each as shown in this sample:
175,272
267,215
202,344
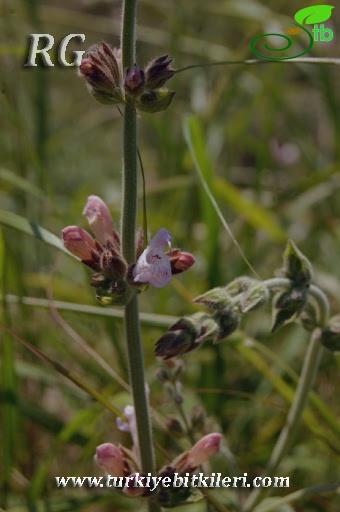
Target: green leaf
314,14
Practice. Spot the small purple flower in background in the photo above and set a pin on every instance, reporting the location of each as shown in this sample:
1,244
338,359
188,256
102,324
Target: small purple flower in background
130,426
153,265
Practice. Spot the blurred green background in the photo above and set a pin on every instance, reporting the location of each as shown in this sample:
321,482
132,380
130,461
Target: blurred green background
269,135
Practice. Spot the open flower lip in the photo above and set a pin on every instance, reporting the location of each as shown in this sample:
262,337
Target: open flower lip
153,265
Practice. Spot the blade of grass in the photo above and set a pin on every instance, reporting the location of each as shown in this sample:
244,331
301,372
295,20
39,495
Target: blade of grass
151,319
71,376
254,213
286,391
273,504
9,393
40,478
15,221
192,134
209,215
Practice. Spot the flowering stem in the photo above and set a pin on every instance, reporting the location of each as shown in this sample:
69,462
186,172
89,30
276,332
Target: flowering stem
307,377
132,328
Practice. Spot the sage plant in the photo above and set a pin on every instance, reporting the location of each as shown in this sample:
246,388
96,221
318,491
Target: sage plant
125,264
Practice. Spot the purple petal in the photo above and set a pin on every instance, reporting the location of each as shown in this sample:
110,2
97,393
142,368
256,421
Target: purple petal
153,266
161,239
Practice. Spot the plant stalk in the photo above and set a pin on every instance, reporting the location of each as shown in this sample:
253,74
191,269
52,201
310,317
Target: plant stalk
128,229
306,381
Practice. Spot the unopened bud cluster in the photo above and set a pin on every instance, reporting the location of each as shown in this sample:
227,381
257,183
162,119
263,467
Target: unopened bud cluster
109,83
229,303
289,304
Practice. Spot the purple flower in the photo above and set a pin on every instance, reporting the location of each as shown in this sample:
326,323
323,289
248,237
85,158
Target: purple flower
153,265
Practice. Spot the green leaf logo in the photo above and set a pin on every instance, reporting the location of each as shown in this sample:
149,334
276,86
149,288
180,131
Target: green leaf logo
314,14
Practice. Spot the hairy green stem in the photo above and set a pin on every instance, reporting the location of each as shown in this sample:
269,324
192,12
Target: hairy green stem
306,381
129,206
128,228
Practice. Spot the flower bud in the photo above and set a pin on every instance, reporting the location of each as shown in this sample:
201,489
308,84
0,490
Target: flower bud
174,426
175,343
158,71
162,376
239,285
134,80
198,417
99,218
79,242
330,337
204,449
109,291
228,321
180,261
154,101
101,68
253,298
199,453
113,265
185,335
110,458
217,298
288,306
296,266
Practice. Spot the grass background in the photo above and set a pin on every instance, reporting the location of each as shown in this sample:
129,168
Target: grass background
268,136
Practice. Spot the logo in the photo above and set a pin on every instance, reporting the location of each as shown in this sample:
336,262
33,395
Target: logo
313,15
